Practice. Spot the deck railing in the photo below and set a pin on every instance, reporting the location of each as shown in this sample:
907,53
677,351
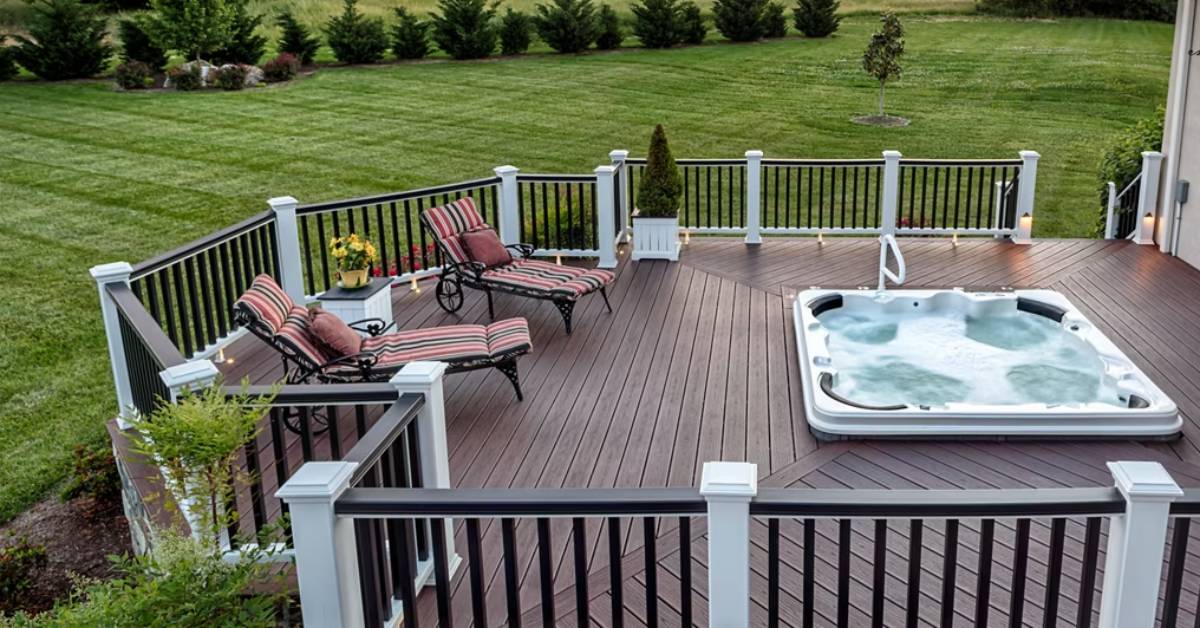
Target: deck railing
1132,208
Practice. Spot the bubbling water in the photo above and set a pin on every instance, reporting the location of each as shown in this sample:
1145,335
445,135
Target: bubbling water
940,355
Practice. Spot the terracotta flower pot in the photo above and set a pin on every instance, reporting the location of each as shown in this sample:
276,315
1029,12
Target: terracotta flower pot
354,278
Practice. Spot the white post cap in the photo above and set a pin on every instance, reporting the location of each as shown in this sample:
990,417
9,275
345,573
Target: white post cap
1152,154
1145,481
190,374
729,480
317,482
505,170
282,203
113,271
618,155
1030,155
754,154
415,373
891,154
605,169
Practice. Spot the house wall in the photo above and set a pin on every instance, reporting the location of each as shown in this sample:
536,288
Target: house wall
1178,227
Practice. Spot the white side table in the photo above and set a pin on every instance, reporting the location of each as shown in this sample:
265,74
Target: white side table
372,301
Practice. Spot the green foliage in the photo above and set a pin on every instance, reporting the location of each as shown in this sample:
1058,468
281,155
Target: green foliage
185,79
1122,159
183,583
515,32
1159,10
133,75
243,45
136,45
567,25
283,67
610,29
410,36
114,6
691,24
774,22
464,29
658,23
740,20
18,560
197,441
661,185
192,27
817,18
354,37
232,77
66,40
95,472
295,39
882,57
8,61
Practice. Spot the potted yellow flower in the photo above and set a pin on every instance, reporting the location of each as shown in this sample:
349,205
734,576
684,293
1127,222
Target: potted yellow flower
354,256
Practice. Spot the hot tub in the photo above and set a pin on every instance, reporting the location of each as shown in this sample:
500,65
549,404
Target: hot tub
936,363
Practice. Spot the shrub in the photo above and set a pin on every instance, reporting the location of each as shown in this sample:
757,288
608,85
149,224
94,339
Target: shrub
463,28
661,186
18,561
410,36
185,79
740,20
283,67
1160,10
67,40
232,77
295,39
567,25
658,23
8,61
515,30
136,45
774,22
114,6
882,57
610,29
692,24
816,18
243,45
1122,158
354,37
192,27
95,470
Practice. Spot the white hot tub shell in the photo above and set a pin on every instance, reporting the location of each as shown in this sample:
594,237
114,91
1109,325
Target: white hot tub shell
1146,413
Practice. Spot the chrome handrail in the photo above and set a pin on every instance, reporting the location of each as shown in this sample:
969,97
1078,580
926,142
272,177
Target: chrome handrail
888,241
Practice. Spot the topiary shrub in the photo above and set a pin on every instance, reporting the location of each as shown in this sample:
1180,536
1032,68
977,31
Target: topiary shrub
18,561
740,20
136,45
661,185
133,75
354,37
295,39
1122,158
692,25
8,61
610,29
816,18
66,40
185,78
243,44
658,23
410,36
232,77
284,67
464,29
567,25
774,22
515,29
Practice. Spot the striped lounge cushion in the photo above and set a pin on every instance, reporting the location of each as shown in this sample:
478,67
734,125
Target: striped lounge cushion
267,302
452,344
450,221
567,282
296,333
508,337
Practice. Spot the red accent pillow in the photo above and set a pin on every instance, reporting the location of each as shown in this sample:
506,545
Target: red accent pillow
334,335
484,246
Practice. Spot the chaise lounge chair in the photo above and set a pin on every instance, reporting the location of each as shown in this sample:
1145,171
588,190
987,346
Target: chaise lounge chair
473,256
267,311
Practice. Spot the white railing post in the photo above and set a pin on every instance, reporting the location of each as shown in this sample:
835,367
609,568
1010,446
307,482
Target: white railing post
606,215
425,378
618,158
728,487
326,559
510,217
1136,543
287,243
1110,223
1026,184
753,196
1148,197
891,191
105,274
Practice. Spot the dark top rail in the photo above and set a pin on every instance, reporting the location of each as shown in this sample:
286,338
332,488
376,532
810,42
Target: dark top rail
321,394
1189,504
641,161
533,502
551,178
802,163
156,341
201,245
313,208
960,162
1043,502
371,447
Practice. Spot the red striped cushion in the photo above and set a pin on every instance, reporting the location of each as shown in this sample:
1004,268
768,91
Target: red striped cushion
452,343
566,281
266,301
450,221
297,335
508,337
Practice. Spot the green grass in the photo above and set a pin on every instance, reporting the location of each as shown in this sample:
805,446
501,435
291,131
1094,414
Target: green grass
91,175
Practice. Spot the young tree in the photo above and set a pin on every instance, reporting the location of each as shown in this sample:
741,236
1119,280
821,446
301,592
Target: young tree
515,29
295,39
244,45
567,25
192,27
410,36
354,37
661,185
657,23
137,46
464,28
817,18
882,57
66,40
610,29
740,20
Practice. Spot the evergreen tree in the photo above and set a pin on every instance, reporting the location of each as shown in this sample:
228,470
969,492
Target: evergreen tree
774,22
740,20
610,29
192,27
661,185
244,45
295,39
8,60
354,37
66,40
567,25
817,18
410,36
657,23
882,57
515,29
464,29
136,45
692,28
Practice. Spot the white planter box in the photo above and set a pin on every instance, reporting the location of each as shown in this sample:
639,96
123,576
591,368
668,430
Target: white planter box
655,238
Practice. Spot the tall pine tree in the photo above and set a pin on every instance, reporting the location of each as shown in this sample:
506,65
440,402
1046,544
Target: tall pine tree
817,18
295,39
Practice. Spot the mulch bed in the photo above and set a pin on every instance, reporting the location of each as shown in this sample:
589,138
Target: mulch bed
78,535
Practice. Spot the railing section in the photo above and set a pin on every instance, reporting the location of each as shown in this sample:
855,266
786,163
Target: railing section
820,195
959,196
558,213
147,350
714,193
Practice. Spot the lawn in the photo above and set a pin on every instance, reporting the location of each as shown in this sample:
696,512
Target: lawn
90,175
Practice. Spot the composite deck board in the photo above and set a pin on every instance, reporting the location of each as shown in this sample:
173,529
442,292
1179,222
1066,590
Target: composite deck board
698,362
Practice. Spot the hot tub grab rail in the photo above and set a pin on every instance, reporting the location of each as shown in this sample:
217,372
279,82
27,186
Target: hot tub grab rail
888,241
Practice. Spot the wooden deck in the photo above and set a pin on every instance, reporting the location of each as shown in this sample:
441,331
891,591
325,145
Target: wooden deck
698,362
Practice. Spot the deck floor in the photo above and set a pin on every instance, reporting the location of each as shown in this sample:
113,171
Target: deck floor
698,362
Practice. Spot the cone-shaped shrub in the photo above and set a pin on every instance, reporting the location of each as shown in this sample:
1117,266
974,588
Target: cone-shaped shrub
774,22
464,28
410,36
66,40
817,18
356,38
692,26
610,29
295,39
244,45
515,29
740,20
657,23
567,25
661,186
137,46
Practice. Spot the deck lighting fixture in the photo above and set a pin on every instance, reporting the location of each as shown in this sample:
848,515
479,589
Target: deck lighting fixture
1147,225
820,238
687,236
1027,222
221,358
954,239
413,286
558,260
